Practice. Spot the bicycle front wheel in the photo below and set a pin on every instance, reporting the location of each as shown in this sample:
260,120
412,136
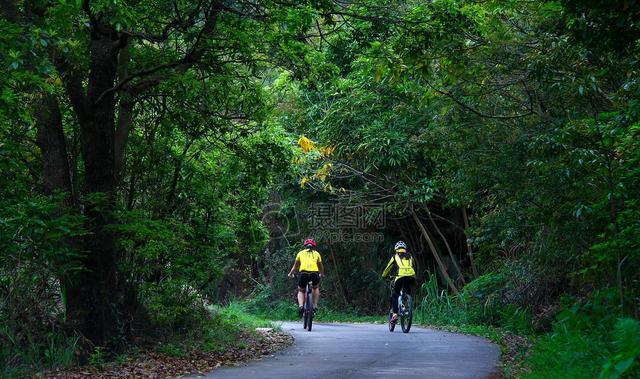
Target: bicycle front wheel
406,318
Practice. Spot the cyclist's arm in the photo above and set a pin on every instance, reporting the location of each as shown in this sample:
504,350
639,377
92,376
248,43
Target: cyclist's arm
388,268
321,268
295,267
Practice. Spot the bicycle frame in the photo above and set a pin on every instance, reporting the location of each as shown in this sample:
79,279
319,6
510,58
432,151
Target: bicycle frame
402,311
308,298
405,311
307,306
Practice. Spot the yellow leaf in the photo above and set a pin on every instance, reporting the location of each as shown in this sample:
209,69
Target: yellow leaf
323,171
304,181
327,150
378,73
57,81
306,144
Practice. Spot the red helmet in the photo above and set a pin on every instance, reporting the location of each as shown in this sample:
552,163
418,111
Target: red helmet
310,242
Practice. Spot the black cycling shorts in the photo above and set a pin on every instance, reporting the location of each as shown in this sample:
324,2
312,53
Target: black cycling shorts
406,282
306,277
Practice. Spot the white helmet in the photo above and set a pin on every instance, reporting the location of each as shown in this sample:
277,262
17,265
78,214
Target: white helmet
400,245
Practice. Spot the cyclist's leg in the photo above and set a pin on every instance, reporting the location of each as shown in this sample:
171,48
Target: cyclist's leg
394,295
412,286
406,282
302,283
315,281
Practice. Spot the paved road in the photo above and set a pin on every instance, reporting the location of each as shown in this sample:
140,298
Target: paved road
371,351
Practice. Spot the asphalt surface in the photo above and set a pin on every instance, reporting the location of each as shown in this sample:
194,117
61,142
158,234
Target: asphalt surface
371,351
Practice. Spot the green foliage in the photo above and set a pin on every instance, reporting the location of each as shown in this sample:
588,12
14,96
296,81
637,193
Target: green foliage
171,350
54,350
33,261
237,313
626,342
588,341
482,302
222,327
98,357
174,306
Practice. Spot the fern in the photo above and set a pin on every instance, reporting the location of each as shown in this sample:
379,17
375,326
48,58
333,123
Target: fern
626,341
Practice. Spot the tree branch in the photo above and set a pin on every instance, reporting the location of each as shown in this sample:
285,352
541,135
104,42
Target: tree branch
475,111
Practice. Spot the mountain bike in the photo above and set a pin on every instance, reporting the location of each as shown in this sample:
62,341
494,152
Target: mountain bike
307,306
405,310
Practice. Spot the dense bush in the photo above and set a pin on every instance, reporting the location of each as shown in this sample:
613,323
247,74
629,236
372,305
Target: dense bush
482,302
173,307
588,340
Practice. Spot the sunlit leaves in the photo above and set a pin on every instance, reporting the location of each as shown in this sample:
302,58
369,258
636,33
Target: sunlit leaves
306,144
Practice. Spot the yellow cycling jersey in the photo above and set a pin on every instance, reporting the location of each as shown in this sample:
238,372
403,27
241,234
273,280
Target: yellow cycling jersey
308,260
405,266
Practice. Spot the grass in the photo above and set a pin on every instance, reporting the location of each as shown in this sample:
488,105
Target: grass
236,312
595,349
222,330
332,315
288,311
56,350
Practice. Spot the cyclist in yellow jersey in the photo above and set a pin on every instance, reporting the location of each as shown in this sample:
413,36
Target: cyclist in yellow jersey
309,263
406,276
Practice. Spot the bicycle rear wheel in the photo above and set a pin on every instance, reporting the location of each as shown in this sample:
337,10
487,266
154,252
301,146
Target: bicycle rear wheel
308,311
392,325
406,318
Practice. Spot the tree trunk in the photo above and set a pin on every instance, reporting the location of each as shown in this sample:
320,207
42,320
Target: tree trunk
125,112
337,282
436,254
451,255
474,269
94,293
55,165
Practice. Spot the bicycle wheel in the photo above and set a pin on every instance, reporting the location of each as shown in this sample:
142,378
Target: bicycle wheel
392,325
309,310
406,318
